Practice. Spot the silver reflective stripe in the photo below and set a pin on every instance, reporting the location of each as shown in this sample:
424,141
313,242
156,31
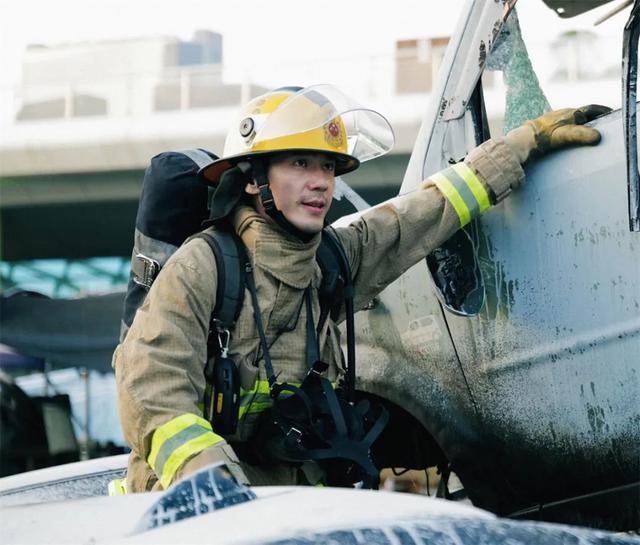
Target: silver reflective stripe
153,248
344,190
463,190
124,329
179,439
199,157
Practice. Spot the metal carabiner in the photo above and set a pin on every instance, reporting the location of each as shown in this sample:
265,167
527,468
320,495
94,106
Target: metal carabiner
224,338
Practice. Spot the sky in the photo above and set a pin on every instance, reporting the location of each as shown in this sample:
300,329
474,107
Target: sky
255,31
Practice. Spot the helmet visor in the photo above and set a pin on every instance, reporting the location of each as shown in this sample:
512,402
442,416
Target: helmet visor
322,117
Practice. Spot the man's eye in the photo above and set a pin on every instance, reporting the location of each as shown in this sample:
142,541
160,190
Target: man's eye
330,167
300,163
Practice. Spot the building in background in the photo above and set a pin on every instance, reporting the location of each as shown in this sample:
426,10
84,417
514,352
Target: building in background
120,78
418,62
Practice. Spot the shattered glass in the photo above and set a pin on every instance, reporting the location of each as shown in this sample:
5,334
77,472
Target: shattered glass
525,99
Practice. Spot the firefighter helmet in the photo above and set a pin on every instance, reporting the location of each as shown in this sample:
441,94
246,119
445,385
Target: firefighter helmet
318,118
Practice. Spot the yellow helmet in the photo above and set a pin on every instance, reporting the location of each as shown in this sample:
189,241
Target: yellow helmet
317,118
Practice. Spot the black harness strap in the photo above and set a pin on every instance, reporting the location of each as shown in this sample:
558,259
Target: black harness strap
222,390
268,365
316,422
312,348
229,254
336,249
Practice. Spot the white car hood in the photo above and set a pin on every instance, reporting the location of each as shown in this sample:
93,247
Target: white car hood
277,512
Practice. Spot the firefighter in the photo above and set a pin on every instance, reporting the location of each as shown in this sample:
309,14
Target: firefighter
296,141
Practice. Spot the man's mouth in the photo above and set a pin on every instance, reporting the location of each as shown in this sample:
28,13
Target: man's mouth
314,204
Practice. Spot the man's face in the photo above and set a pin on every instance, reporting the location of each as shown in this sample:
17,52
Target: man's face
302,185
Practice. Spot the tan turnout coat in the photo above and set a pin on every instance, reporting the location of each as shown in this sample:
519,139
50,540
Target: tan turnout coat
159,366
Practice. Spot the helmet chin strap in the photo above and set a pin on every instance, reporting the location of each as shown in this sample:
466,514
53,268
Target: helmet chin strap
269,205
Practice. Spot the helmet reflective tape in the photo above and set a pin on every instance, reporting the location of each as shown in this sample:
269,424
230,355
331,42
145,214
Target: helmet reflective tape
173,443
463,190
117,487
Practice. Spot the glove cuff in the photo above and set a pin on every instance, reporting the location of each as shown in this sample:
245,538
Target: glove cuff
497,167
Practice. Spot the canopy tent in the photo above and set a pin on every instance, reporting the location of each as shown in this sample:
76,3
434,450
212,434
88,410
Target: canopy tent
12,359
79,332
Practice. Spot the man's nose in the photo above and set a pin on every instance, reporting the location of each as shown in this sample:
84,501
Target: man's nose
319,179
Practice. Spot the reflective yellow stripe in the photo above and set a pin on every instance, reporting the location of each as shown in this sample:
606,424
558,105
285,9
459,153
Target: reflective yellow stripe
176,441
255,408
258,399
171,428
452,195
260,387
463,190
476,187
117,487
183,453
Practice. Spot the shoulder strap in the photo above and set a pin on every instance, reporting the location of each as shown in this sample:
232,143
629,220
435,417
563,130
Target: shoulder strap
336,274
230,257
336,289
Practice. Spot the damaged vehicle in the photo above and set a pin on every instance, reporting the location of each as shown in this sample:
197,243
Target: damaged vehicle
511,357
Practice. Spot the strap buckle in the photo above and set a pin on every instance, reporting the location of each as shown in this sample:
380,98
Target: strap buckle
294,436
266,197
144,270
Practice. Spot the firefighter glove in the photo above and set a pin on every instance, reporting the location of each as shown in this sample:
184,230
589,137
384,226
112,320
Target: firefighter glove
554,130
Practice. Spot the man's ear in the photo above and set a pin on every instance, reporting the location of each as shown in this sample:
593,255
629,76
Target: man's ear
251,188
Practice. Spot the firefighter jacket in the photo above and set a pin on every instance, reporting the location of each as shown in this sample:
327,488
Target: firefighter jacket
159,366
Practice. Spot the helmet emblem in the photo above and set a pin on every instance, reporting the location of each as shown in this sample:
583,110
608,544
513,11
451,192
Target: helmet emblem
333,134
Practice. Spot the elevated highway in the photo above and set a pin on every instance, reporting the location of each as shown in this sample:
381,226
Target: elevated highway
69,187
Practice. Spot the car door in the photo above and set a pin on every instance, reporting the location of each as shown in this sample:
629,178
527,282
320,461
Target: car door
547,328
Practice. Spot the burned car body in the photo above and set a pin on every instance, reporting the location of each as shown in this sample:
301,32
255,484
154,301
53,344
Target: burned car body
516,346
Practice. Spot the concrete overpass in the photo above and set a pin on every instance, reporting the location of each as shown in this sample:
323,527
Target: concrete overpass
69,187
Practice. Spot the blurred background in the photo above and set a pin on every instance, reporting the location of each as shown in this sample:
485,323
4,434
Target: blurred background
91,90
